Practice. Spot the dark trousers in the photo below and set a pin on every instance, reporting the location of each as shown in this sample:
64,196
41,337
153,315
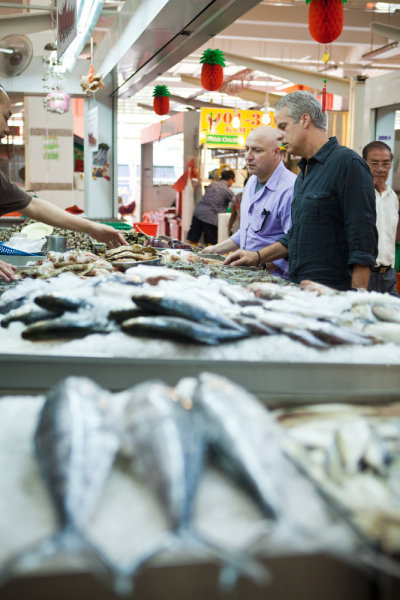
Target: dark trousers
198,227
383,282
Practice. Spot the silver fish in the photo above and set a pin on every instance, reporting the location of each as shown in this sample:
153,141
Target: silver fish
194,309
27,313
65,327
57,302
387,312
180,329
389,332
75,447
230,413
167,442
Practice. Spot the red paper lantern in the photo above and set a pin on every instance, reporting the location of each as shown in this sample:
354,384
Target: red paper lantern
161,96
325,20
212,71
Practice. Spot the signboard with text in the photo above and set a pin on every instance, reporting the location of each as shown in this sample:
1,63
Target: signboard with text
216,126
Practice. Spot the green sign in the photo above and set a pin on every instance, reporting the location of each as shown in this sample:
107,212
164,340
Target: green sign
225,139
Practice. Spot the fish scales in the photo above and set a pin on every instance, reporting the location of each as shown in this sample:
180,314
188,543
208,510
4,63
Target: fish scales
177,328
75,446
175,305
168,446
230,412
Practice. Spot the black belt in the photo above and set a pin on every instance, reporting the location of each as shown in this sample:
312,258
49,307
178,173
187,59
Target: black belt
381,268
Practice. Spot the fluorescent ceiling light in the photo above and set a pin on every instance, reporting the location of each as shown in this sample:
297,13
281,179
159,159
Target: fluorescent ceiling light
87,15
383,51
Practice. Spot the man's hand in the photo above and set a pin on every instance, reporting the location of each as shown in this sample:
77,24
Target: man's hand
7,271
242,258
108,235
360,277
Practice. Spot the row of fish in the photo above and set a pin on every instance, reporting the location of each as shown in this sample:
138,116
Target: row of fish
168,435
153,301
354,453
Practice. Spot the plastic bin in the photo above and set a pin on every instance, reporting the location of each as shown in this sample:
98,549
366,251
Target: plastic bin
118,225
13,252
397,257
147,228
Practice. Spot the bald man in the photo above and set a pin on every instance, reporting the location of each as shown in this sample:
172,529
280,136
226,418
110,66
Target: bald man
265,213
13,198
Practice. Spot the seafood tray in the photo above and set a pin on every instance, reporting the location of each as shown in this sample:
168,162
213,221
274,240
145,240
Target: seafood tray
276,384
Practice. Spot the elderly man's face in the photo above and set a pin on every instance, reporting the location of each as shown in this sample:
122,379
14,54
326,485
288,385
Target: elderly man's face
5,113
293,133
379,161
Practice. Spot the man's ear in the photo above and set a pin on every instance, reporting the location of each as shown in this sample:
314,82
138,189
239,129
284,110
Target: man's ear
305,120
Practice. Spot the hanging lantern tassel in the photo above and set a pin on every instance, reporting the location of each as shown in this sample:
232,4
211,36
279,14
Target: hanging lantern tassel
325,58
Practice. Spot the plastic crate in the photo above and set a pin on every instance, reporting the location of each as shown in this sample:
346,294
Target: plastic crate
119,225
13,252
146,228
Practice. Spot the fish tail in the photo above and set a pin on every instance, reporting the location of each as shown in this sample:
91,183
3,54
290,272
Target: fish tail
235,562
70,542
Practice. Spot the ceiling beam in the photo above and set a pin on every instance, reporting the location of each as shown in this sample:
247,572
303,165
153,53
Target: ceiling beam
336,85
386,31
246,93
197,103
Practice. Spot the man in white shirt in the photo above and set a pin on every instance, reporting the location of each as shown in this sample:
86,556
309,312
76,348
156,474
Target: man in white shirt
378,156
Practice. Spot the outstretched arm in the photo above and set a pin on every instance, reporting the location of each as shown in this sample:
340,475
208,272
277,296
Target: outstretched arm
222,248
265,255
49,213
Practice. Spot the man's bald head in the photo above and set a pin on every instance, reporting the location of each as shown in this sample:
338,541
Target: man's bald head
263,151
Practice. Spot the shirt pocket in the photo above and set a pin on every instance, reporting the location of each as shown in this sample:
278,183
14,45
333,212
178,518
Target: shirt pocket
316,208
258,221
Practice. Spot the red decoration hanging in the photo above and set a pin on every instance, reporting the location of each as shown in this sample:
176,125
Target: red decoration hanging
212,71
325,20
161,96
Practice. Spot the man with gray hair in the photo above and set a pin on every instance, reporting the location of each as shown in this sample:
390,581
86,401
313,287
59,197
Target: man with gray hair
333,238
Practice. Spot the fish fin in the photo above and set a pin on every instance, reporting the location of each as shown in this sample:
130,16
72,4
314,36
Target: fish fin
70,542
235,562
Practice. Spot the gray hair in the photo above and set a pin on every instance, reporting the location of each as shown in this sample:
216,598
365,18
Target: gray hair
301,102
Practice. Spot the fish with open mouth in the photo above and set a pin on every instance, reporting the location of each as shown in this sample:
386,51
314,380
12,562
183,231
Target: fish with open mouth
75,446
180,329
166,442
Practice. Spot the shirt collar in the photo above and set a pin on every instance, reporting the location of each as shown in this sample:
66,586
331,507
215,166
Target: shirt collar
322,153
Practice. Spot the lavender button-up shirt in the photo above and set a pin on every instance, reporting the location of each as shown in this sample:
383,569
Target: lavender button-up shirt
266,215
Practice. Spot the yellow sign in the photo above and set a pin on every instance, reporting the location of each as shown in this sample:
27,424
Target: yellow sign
217,126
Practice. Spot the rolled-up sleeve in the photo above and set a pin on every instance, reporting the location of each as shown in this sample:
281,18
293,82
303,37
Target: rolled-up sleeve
236,237
357,196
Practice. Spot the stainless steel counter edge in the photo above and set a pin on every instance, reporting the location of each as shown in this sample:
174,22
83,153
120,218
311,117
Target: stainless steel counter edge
272,382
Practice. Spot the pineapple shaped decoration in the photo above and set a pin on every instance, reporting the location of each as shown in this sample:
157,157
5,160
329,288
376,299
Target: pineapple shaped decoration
212,72
161,96
325,19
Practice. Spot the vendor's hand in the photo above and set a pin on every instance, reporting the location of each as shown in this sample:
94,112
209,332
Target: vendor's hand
242,258
7,271
108,235
208,250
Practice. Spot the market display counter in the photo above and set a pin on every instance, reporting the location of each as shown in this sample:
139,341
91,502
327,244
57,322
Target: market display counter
272,382
294,578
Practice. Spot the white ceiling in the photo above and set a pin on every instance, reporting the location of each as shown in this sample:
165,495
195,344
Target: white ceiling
271,31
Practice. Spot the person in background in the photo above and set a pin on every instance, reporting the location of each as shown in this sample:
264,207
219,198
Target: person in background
13,198
267,196
216,199
333,238
378,156
234,219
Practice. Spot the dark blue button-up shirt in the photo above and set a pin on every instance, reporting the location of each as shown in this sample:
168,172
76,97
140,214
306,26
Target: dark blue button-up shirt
333,217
